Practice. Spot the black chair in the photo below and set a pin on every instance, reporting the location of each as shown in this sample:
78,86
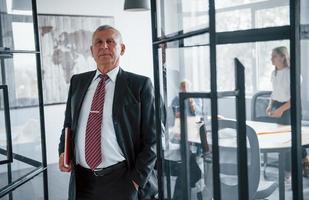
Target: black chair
259,103
258,189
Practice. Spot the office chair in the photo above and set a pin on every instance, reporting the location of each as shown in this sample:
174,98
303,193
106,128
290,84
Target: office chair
259,103
228,163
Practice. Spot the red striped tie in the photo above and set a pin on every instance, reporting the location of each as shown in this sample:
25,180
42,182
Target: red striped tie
93,130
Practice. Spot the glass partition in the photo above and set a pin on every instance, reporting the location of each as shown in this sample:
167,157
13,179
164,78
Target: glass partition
304,44
20,73
256,57
241,15
183,16
17,24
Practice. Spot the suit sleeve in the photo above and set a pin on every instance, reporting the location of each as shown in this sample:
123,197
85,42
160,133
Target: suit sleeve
67,119
146,158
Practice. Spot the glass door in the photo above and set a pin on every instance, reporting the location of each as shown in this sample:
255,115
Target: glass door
195,43
23,167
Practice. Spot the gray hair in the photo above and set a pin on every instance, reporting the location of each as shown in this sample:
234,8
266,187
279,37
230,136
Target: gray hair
106,27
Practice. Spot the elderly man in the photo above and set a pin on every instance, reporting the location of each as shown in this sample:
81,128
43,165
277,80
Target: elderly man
111,115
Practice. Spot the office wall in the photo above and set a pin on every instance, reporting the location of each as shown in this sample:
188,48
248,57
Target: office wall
134,26
136,30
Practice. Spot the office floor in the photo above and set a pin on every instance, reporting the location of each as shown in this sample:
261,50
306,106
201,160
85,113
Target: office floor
58,186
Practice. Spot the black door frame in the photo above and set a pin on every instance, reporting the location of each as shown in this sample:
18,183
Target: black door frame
40,167
290,32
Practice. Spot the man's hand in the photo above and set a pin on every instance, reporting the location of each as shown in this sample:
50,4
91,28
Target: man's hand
135,185
192,105
61,164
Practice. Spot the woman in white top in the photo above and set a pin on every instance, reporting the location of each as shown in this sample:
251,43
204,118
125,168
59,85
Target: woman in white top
279,105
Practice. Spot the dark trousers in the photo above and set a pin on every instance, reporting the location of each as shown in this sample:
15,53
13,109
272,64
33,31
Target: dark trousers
177,170
288,164
115,184
286,116
286,119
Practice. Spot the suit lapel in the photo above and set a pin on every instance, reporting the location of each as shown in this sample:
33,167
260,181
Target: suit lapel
120,92
84,83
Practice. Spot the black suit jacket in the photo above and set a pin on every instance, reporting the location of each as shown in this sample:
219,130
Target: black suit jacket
134,124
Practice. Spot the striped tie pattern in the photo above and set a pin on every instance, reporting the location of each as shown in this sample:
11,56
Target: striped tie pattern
93,130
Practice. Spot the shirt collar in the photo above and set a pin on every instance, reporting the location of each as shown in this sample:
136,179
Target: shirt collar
112,75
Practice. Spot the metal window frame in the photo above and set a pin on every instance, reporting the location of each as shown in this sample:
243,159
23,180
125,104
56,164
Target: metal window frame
8,152
290,32
40,167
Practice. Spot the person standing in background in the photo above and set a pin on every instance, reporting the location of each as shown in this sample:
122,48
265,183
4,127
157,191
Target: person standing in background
279,104
192,108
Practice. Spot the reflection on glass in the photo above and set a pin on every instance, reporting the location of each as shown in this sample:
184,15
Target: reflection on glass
183,16
304,14
269,17
233,20
18,7
3,138
17,24
33,189
232,3
20,32
22,80
240,15
305,81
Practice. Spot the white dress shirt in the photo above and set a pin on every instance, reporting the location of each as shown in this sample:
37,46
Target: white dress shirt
281,85
111,152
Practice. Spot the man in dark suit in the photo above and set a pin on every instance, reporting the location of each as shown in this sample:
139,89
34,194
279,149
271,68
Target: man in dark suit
112,117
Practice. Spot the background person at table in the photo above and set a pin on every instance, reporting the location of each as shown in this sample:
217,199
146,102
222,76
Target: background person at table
126,136
192,107
279,104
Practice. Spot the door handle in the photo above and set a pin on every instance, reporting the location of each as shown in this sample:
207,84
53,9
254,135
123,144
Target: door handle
5,52
8,152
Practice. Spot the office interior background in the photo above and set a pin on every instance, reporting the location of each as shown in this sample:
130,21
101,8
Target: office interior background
172,42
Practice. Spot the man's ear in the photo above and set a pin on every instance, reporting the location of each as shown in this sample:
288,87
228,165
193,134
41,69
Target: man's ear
123,49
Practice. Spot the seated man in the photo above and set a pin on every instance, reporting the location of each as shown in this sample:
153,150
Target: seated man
192,108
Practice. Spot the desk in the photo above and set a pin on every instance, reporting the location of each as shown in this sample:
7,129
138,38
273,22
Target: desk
275,138
272,138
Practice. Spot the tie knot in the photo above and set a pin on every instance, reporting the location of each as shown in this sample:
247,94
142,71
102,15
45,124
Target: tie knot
104,77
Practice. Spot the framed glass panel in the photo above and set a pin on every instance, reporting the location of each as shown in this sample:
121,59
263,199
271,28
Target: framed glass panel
21,77
33,189
183,16
256,57
232,3
304,16
241,15
17,24
184,67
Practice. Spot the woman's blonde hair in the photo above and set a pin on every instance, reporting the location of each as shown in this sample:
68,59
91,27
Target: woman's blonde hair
283,51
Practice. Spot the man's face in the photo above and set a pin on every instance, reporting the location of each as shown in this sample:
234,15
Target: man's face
183,87
107,48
